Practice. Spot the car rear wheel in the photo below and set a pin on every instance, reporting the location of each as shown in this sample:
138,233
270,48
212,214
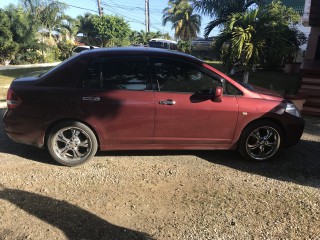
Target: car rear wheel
260,141
72,143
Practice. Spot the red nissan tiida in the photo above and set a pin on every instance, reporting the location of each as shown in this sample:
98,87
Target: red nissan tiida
145,98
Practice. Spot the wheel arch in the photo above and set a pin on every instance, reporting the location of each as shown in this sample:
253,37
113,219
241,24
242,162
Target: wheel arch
270,119
58,121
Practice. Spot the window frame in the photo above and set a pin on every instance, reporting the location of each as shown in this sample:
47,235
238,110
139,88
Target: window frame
203,70
124,58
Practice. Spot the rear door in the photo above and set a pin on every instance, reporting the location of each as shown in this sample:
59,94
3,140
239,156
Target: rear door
185,111
114,97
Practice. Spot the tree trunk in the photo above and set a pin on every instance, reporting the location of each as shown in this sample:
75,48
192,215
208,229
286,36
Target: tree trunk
246,76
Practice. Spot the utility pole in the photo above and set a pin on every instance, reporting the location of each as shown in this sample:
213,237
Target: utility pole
99,8
147,16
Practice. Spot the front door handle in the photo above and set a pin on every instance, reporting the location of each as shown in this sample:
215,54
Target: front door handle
167,102
91,99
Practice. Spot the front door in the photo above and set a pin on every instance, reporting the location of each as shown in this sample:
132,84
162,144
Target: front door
185,110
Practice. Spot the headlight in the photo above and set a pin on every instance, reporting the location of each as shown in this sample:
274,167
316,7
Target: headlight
291,108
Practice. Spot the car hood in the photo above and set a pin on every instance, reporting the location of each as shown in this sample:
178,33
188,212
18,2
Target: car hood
267,93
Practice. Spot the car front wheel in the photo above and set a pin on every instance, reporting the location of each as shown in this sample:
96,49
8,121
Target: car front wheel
71,143
260,141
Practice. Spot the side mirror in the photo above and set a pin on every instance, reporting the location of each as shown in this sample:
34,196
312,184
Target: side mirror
218,94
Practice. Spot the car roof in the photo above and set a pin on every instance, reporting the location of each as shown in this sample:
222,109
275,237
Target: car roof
147,51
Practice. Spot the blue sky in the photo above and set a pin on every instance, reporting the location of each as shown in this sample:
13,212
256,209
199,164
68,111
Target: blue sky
131,11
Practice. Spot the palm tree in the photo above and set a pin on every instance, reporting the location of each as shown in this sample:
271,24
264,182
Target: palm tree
259,36
69,27
52,15
184,22
243,40
134,37
86,28
220,10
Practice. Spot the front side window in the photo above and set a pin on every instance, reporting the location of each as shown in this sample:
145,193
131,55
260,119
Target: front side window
116,74
182,77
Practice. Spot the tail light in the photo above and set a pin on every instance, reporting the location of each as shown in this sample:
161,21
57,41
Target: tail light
13,101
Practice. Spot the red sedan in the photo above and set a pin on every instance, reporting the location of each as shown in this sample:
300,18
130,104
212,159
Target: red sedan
145,98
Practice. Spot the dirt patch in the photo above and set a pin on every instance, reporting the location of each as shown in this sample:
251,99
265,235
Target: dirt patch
161,194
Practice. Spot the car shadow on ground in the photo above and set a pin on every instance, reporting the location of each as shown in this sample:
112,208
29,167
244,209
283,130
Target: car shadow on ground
76,223
298,164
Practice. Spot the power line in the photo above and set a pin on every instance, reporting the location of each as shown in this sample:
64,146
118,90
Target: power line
69,5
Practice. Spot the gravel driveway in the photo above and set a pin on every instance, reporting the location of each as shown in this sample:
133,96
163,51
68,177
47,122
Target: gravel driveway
161,194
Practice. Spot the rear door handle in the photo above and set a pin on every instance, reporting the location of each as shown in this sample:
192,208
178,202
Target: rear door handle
91,99
167,102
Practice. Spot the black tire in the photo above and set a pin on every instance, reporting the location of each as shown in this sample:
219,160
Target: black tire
71,143
260,141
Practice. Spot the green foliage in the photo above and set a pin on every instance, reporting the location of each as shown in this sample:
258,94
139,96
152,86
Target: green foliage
20,24
7,51
110,28
86,28
184,22
143,37
65,48
5,33
29,53
259,36
220,10
185,46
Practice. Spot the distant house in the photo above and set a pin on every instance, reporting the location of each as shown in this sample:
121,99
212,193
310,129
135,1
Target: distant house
202,47
202,44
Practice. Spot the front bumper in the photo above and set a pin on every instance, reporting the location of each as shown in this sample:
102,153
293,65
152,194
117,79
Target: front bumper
294,127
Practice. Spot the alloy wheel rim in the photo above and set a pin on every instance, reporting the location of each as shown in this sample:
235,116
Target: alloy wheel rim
72,144
263,143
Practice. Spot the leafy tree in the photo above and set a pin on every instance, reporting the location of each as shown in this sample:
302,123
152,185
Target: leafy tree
7,47
44,17
220,10
110,29
87,29
134,37
20,23
185,46
68,28
285,39
65,48
184,22
51,15
5,33
250,38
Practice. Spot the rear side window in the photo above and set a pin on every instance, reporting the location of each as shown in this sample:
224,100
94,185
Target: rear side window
117,74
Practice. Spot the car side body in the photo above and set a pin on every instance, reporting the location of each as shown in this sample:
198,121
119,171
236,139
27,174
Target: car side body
145,111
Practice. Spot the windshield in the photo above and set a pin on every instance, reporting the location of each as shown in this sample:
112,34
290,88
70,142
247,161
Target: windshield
246,85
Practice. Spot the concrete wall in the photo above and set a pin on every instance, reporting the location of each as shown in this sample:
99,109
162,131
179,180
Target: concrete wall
312,43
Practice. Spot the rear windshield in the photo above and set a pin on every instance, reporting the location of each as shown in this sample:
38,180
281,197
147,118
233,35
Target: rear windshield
156,44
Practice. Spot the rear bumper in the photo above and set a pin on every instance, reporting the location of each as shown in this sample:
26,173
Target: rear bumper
23,130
